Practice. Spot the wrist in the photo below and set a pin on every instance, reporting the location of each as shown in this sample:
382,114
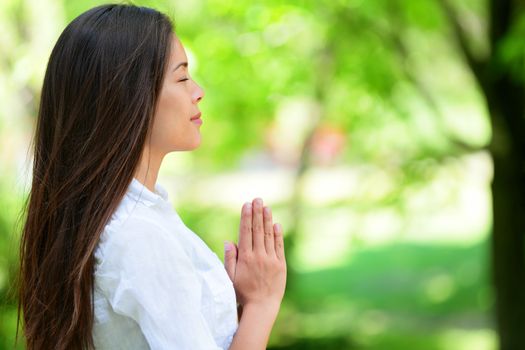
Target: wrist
255,325
269,309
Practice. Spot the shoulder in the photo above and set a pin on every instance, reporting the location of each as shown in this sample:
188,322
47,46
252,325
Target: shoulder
137,235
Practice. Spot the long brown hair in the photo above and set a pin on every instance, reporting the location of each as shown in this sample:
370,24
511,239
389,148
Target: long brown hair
96,109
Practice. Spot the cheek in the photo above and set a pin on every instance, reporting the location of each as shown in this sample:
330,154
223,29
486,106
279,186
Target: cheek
166,125
171,124
168,108
168,98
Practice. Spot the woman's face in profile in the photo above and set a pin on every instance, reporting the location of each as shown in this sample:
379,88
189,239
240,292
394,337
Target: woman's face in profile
173,129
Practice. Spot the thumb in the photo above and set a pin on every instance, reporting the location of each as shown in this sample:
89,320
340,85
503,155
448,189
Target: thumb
230,259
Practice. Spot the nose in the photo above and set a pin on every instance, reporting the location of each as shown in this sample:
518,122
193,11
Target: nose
198,94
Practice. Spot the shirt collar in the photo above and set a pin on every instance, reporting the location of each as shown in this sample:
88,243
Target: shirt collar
141,193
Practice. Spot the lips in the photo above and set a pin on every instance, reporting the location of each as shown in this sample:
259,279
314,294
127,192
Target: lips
196,116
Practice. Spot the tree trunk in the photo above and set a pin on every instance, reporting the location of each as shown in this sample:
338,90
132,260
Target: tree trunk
505,99
507,250
505,103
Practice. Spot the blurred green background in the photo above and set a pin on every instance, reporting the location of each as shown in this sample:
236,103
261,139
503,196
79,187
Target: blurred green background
359,122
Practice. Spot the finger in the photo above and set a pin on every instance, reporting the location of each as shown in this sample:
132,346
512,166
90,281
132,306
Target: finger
245,228
268,231
279,241
230,259
257,225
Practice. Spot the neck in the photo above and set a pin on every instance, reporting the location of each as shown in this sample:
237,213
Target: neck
148,169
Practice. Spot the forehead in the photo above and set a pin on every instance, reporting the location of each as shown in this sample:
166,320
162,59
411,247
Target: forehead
178,54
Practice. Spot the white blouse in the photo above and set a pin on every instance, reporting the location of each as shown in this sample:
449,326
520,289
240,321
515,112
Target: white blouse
157,284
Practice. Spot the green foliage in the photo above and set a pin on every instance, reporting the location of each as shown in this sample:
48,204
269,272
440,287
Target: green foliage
381,78
511,52
10,204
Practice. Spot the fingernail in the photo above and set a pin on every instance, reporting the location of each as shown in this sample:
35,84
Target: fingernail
266,211
227,246
278,228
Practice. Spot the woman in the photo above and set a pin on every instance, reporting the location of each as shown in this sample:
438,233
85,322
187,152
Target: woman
105,261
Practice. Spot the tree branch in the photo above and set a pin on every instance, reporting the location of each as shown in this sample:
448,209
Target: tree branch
393,38
500,19
390,35
477,65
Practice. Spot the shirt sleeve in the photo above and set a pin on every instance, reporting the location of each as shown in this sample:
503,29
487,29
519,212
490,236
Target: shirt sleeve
147,276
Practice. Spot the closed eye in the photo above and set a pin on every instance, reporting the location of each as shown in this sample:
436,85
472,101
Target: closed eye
184,79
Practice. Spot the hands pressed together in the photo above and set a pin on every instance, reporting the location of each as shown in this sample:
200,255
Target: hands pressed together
257,266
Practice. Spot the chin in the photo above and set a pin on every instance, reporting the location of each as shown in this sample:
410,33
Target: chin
192,146
197,143
189,145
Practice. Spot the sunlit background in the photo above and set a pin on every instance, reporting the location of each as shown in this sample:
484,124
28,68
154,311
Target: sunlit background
357,121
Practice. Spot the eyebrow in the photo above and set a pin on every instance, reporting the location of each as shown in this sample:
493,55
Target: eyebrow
184,64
